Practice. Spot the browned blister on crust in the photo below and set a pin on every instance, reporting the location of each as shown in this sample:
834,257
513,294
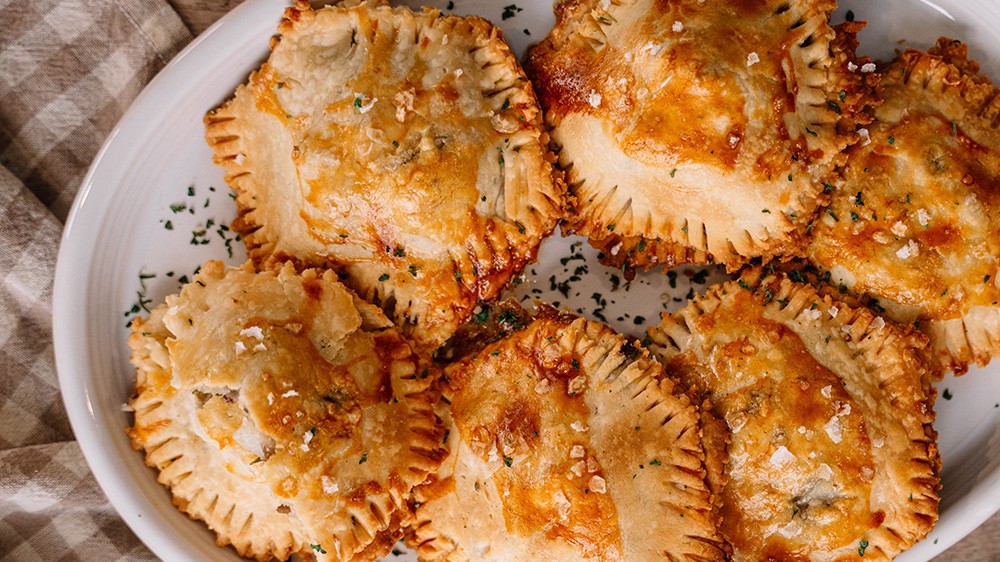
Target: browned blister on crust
916,225
832,454
696,131
567,442
284,412
405,149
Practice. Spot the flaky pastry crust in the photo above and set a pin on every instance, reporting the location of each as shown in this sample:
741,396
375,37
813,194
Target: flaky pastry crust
566,443
832,454
917,222
402,148
284,412
696,131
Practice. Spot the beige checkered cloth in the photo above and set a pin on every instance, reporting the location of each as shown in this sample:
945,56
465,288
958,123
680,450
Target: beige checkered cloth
68,69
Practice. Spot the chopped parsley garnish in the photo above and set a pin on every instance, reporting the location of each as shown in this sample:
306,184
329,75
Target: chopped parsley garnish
768,211
892,139
946,394
508,461
655,462
178,208
399,252
506,104
364,458
510,11
843,95
168,225
864,544
483,315
811,132
834,106
500,158
673,172
318,548
383,277
358,101
611,227
832,214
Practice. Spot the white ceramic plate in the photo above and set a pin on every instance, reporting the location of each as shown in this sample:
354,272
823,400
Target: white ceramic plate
155,168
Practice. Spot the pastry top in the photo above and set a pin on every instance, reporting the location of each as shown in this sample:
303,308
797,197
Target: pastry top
832,453
704,130
566,442
284,412
917,222
403,148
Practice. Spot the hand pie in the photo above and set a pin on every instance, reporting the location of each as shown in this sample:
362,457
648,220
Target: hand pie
403,149
832,454
916,226
284,412
566,443
696,131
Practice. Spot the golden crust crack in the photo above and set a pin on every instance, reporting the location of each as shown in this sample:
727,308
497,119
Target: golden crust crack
405,149
698,131
284,412
917,222
566,443
829,407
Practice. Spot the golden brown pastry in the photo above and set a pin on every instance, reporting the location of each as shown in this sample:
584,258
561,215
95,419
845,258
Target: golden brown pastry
832,454
696,130
566,443
284,412
917,223
403,148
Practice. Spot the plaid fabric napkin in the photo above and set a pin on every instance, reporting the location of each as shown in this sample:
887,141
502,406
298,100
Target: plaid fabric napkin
68,70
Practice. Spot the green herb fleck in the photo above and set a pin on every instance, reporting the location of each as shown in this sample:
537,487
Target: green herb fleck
364,458
318,548
862,547
510,11
383,277
508,461
946,394
832,214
